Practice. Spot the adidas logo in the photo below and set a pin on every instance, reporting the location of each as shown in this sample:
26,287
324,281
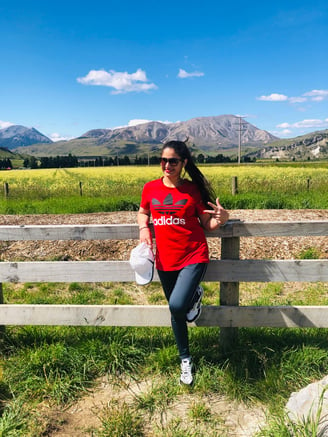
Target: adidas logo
169,221
168,208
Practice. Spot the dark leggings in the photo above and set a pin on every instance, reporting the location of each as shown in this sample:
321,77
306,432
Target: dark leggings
179,287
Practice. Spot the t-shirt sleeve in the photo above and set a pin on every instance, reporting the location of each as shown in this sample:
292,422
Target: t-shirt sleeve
145,199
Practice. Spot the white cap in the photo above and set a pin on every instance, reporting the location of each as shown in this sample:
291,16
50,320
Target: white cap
142,262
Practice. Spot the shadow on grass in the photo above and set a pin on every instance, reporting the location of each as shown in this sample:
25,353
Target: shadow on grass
263,364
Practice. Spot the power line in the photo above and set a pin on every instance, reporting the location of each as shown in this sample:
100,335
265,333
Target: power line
241,128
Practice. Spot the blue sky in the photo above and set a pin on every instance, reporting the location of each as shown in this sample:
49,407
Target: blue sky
70,66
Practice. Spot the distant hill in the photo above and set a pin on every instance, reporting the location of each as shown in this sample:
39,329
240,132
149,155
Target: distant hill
5,153
204,132
310,146
211,135
207,135
16,136
15,158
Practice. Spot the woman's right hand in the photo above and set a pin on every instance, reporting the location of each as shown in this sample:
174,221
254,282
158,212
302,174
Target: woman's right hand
145,236
144,230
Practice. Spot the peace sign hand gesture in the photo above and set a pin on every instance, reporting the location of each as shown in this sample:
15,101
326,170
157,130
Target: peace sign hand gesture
218,212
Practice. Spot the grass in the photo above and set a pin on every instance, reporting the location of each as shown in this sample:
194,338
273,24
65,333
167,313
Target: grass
57,191
313,425
58,365
46,368
120,420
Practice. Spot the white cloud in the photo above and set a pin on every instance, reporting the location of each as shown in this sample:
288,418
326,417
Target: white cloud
133,122
121,82
286,132
314,96
274,97
183,74
4,124
317,95
57,137
136,121
283,125
297,99
311,123
282,133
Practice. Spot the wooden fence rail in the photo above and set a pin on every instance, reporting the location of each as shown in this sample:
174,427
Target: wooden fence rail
229,271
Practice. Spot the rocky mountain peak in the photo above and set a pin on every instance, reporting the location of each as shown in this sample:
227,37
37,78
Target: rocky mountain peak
18,136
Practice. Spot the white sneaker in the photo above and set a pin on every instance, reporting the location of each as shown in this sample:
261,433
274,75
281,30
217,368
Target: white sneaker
195,311
186,371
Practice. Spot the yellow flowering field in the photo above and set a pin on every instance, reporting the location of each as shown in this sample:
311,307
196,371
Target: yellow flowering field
124,183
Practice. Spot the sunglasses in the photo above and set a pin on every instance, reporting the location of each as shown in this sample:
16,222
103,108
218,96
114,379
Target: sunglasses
171,161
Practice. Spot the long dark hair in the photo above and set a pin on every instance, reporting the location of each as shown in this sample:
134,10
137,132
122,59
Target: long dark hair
197,177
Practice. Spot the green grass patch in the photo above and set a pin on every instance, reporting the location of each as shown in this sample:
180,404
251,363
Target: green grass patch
77,205
310,253
118,419
57,191
60,364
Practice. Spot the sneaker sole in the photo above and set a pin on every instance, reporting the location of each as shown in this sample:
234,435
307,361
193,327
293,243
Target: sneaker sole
187,385
196,316
199,302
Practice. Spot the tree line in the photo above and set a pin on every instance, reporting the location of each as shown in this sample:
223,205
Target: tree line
51,162
74,161
5,164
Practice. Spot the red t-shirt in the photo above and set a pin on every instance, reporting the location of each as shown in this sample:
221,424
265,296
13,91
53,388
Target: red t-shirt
180,239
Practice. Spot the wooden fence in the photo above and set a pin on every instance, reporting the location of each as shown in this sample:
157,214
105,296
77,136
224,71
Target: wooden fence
229,271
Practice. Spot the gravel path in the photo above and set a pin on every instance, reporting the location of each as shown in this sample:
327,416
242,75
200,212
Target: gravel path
254,248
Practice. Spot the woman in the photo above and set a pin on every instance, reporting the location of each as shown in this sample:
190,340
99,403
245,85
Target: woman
179,215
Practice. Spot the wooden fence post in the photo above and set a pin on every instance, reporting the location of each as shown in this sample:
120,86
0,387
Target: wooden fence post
229,292
2,327
234,187
6,189
80,186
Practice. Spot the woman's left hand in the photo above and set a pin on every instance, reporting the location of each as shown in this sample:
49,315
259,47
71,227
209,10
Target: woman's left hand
218,212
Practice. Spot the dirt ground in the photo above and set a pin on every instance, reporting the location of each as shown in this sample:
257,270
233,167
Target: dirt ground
237,419
254,248
232,418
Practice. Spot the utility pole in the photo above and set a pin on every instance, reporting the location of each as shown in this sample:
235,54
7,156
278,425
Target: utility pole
241,128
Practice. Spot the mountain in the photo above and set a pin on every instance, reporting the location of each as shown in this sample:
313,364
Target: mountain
16,136
309,146
204,132
207,134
